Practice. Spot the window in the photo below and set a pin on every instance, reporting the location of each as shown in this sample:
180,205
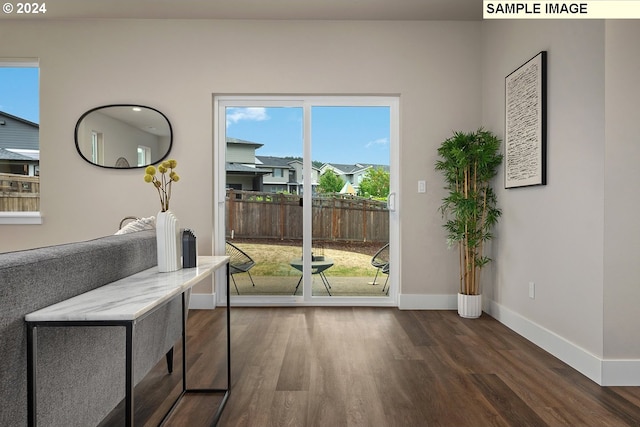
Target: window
19,141
144,155
277,173
97,147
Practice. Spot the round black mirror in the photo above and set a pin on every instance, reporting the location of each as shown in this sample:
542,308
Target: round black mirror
123,136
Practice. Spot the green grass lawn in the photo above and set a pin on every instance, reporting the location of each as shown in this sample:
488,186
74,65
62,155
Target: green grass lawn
273,260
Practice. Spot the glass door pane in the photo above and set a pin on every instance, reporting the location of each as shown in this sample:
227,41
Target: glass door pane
350,220
263,208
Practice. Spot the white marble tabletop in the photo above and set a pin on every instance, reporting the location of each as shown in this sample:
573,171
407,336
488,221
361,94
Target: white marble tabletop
131,297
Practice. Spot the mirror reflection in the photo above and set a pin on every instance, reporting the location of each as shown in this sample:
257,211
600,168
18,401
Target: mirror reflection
123,136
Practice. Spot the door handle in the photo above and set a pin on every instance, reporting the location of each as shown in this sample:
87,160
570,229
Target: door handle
391,202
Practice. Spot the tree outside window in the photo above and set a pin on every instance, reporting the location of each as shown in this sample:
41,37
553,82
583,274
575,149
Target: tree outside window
329,183
375,184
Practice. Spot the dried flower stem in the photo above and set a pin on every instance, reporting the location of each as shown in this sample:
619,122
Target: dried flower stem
164,183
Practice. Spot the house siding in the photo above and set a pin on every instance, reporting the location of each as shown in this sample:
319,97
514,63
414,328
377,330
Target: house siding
18,134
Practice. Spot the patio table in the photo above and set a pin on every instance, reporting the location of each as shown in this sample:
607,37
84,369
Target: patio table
318,266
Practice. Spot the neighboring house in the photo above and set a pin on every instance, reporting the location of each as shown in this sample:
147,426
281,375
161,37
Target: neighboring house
19,145
16,163
246,171
241,170
279,176
285,174
351,174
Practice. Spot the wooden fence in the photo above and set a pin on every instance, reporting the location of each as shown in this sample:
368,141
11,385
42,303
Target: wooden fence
253,214
19,193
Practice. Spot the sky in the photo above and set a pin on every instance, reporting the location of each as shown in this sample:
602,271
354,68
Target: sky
346,135
19,92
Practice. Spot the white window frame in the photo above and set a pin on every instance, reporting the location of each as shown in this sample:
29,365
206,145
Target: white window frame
146,155
17,217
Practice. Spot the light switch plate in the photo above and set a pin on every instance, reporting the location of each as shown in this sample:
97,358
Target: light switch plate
532,290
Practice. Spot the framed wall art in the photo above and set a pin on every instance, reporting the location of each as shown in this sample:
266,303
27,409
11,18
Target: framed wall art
526,124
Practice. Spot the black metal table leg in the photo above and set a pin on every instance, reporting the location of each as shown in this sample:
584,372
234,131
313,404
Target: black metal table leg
185,389
32,337
299,281
129,405
169,357
228,334
325,281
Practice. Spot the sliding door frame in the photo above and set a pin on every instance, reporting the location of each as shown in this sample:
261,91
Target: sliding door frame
306,102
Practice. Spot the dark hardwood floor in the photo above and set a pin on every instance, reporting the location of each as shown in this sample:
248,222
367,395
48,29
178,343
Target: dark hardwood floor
360,366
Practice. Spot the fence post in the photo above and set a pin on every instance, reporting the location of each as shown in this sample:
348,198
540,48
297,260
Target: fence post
282,221
334,219
364,220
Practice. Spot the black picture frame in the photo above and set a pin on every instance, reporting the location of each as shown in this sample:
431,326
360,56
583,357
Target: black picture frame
525,148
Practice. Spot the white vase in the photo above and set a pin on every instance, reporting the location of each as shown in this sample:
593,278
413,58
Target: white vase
168,240
469,306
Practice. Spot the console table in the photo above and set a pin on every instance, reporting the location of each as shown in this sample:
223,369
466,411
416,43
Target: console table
123,303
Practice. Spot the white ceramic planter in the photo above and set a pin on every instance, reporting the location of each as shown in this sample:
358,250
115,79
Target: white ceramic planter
168,240
470,306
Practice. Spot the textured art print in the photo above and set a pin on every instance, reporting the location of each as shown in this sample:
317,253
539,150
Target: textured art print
525,124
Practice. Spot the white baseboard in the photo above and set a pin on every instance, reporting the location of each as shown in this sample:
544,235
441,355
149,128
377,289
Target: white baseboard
578,358
621,372
605,372
202,301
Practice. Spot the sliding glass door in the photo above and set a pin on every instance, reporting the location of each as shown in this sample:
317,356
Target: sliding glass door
302,186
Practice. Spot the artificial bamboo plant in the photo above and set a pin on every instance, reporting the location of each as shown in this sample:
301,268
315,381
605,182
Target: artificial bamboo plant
469,162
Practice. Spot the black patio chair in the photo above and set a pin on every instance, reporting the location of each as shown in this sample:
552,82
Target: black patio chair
381,262
239,262
385,270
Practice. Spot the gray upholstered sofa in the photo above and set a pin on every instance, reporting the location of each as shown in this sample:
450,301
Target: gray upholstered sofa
81,370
